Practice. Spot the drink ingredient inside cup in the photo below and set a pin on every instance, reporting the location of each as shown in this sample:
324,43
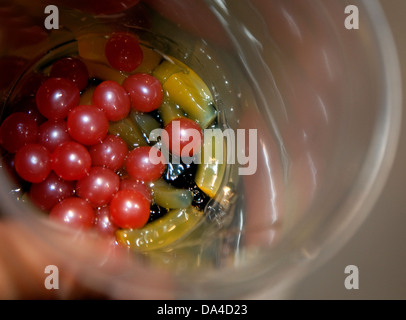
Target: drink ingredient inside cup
86,161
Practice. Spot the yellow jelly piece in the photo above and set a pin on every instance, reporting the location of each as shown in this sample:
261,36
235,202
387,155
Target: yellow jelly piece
211,170
169,111
161,233
192,96
165,70
151,59
104,72
91,47
187,90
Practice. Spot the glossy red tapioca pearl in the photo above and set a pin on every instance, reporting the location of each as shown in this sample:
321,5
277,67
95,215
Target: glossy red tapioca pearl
145,92
123,51
103,223
17,130
110,153
130,209
74,212
141,166
53,133
72,69
183,137
87,124
98,187
130,183
33,163
56,97
113,99
71,161
45,195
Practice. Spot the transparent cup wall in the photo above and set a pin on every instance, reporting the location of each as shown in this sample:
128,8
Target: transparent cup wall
324,101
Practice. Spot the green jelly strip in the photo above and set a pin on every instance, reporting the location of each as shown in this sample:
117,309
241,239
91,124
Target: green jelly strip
170,197
129,132
145,122
169,111
161,233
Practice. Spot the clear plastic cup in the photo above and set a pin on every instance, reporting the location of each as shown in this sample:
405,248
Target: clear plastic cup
325,102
